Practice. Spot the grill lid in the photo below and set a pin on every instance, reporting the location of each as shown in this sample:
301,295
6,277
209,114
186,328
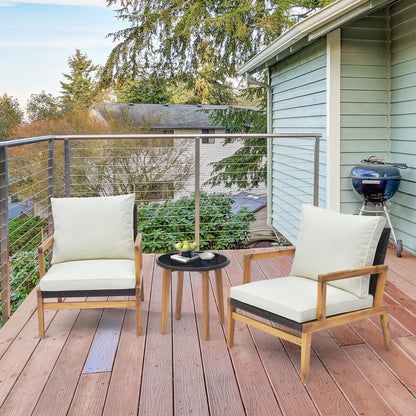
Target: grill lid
375,180
376,168
372,171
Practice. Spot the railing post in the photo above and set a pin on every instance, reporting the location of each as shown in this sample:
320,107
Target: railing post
316,173
4,236
67,152
51,181
197,187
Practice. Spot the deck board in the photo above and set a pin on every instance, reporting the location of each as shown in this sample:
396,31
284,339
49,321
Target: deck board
180,373
59,390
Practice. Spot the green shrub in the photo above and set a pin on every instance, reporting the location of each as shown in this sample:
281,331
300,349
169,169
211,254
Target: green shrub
26,233
163,224
24,276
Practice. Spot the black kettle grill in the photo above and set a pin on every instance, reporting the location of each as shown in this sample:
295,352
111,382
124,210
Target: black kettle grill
376,181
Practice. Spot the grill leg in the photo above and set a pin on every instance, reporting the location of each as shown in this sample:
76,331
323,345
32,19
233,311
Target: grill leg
362,209
399,243
386,213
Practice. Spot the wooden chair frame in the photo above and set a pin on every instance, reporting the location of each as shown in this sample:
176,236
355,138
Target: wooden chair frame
137,292
305,330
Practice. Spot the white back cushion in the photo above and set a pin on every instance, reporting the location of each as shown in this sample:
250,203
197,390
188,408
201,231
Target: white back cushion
93,228
329,241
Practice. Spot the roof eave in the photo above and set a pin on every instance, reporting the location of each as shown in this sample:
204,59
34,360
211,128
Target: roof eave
329,18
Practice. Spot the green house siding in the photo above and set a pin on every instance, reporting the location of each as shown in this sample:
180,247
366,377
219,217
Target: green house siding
403,116
364,98
299,106
377,114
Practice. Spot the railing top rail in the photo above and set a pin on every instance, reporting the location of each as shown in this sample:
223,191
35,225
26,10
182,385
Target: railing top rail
30,140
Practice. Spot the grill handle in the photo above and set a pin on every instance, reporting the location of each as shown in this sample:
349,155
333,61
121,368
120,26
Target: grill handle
379,161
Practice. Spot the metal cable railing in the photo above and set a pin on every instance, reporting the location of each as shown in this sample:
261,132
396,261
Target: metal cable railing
185,187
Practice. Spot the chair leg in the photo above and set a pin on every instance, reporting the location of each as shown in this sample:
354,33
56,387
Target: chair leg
139,314
305,356
41,319
142,290
384,318
230,324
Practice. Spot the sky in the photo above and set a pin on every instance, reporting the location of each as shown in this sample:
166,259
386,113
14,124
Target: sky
38,36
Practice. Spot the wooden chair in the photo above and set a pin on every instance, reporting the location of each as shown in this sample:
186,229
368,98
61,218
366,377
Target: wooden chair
94,252
337,277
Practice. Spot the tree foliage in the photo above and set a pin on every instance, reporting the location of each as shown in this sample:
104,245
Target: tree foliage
151,89
195,37
246,168
43,106
151,169
81,88
155,88
10,115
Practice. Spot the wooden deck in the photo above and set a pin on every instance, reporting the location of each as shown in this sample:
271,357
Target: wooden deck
92,362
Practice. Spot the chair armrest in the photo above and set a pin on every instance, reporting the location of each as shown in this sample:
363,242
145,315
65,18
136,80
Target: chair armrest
278,252
138,242
345,274
138,259
46,245
323,279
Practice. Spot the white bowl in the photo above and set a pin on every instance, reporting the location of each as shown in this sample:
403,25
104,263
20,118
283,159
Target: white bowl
206,255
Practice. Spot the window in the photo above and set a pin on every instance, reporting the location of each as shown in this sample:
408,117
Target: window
208,140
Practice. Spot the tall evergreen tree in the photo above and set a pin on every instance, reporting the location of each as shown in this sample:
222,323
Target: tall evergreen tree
81,88
180,37
144,90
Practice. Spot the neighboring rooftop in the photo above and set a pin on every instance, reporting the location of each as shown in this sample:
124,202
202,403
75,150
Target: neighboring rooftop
166,116
248,200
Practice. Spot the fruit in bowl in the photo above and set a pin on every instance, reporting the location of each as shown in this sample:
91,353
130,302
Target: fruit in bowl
186,246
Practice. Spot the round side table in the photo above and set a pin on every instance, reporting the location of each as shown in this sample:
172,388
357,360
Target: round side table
169,265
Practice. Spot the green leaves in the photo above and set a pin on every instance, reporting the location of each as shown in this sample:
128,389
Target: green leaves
10,115
189,36
80,90
26,233
246,168
164,224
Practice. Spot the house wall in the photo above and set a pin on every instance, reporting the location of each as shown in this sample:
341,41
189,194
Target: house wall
299,101
364,98
378,105
377,115
403,117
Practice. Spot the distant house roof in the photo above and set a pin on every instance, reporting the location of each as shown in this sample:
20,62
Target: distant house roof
248,200
310,29
166,116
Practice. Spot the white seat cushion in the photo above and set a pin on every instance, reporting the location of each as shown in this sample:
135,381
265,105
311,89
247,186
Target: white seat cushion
93,228
90,275
295,298
329,242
